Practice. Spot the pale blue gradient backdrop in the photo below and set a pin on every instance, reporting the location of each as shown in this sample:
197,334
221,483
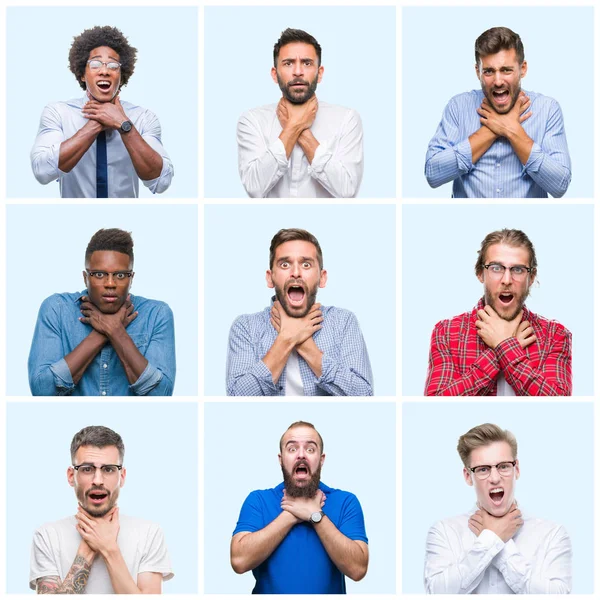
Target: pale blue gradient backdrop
165,81
439,251
161,449
438,62
45,255
556,445
359,56
241,444
358,243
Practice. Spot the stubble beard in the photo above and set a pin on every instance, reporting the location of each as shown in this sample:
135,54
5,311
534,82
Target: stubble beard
281,295
497,304
309,92
506,110
309,490
91,510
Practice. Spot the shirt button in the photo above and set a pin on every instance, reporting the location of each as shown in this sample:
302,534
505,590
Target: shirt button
105,366
104,393
497,164
498,191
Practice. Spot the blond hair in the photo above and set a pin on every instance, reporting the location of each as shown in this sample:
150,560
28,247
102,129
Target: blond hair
484,435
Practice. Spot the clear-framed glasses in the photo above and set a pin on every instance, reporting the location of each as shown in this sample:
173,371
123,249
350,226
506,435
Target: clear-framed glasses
88,471
95,64
118,275
518,272
505,469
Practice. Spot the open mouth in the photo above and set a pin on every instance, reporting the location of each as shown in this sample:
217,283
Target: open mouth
501,96
97,497
497,495
295,295
506,298
104,85
302,471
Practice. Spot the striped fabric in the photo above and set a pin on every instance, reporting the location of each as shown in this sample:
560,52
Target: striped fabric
460,363
499,172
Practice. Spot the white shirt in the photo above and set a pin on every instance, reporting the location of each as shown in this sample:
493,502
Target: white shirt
55,545
62,120
337,167
503,387
537,560
293,380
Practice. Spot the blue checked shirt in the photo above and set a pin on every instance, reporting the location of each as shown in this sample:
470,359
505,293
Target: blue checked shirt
499,173
58,332
346,370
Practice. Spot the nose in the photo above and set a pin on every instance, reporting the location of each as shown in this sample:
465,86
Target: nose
507,276
98,477
110,281
498,79
494,475
295,270
298,68
104,69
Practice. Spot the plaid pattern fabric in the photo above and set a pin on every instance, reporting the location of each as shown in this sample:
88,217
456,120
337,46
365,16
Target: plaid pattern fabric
346,370
460,363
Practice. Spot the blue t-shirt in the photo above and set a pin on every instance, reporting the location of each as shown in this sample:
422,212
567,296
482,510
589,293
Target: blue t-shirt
300,564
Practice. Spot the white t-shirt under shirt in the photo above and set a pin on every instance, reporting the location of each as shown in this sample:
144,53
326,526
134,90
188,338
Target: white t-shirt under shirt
503,387
55,546
293,377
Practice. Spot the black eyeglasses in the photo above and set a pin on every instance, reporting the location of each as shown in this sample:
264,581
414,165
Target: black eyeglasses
88,470
518,272
505,469
96,64
118,275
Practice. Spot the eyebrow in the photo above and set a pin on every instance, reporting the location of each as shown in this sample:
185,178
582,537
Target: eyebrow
297,442
302,258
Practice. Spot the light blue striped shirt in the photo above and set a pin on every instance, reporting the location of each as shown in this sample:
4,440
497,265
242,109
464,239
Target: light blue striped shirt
345,370
499,173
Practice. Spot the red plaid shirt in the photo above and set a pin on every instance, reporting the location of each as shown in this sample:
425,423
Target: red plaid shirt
460,363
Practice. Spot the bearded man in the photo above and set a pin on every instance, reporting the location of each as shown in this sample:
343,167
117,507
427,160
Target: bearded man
300,147
296,347
301,537
500,141
500,347
98,551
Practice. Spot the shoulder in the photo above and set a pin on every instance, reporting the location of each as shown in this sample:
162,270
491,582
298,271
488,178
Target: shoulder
337,494
551,326
142,526
253,321
260,113
545,527
135,110
266,495
541,99
451,525
340,315
151,305
53,528
336,109
445,325
58,302
472,98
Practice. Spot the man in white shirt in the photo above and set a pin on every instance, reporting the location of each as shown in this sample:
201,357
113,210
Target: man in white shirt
98,551
300,147
96,146
495,548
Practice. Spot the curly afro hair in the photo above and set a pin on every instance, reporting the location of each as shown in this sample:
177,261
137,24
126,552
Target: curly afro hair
95,38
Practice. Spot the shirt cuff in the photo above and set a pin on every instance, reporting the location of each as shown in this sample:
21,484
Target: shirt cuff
464,156
492,542
534,162
488,363
277,150
163,181
63,380
328,370
322,155
264,376
510,549
509,352
147,381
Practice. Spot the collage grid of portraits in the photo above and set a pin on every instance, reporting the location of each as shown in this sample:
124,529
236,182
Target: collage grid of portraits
400,255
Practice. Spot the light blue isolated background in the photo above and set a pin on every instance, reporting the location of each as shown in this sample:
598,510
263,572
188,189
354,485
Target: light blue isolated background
439,63
358,243
557,473
45,255
439,251
359,49
161,449
165,81
356,436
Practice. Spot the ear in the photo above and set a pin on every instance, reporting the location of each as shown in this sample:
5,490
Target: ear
269,278
322,459
323,279
532,277
480,276
85,279
517,470
468,476
279,457
71,476
477,71
320,74
274,75
524,69
122,477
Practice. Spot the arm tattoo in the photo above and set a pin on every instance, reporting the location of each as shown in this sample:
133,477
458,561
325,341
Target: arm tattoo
74,582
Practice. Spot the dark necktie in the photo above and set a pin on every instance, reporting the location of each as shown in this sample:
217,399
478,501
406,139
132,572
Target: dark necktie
101,166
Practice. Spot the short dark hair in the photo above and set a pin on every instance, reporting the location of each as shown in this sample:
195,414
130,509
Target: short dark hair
95,37
112,240
498,38
98,437
301,424
511,237
291,235
290,36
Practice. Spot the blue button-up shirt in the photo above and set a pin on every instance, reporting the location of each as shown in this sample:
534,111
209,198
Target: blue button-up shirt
499,173
345,370
58,332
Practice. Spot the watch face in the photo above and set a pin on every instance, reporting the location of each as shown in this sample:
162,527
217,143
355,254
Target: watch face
126,126
316,517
